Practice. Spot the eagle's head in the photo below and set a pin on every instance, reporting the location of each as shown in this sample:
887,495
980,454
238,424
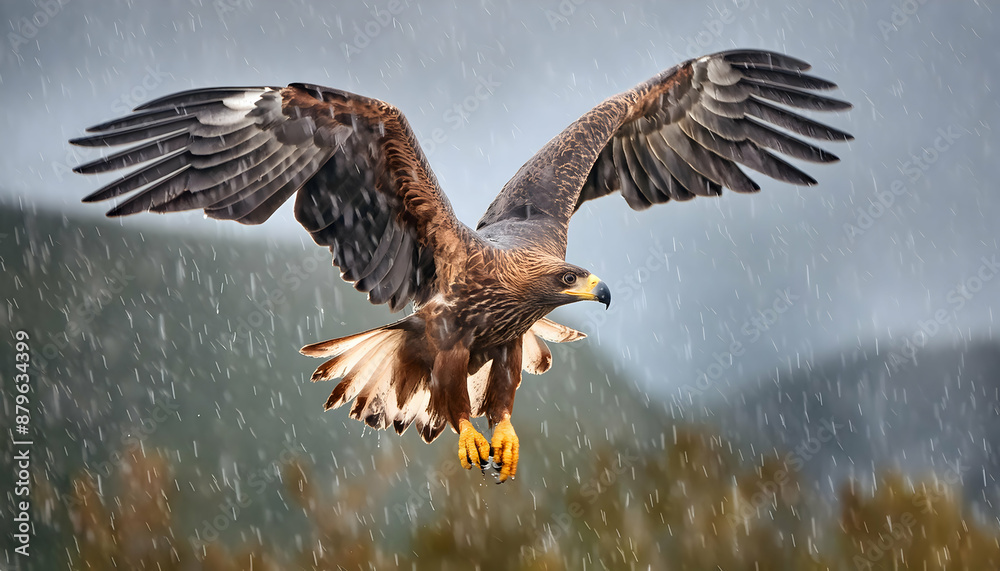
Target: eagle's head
560,283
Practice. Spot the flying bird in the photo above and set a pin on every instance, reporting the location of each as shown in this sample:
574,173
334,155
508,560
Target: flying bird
480,297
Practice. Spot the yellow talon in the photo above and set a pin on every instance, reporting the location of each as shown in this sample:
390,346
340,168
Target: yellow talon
505,449
473,448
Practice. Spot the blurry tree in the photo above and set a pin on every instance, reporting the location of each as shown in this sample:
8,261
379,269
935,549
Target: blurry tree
915,525
694,505
135,531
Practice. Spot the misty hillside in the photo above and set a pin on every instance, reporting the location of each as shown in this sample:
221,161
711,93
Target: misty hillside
919,413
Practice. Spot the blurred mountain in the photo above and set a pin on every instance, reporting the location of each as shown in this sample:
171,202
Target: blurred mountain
893,406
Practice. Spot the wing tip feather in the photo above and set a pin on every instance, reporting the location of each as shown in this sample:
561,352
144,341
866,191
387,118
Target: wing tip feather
126,208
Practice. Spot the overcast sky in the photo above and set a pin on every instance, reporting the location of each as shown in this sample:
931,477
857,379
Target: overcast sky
502,78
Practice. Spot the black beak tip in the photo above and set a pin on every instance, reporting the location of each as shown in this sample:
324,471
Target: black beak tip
603,294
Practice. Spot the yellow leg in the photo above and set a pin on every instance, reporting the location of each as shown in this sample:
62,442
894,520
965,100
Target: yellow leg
473,448
505,448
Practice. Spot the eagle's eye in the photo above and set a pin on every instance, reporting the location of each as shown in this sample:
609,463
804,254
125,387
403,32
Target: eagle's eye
569,279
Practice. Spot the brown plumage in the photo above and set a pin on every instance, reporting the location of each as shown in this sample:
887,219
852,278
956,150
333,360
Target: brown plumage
364,189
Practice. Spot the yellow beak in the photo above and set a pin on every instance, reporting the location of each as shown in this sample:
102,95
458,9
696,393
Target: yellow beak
592,289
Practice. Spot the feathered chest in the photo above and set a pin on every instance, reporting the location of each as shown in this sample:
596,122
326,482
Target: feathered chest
491,303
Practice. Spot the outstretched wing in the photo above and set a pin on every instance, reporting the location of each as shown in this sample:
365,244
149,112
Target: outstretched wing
679,135
364,186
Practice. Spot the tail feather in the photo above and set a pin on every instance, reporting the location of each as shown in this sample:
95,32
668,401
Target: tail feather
429,425
409,411
338,346
351,361
390,385
375,404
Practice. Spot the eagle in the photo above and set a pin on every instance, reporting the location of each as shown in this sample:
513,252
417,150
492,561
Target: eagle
364,189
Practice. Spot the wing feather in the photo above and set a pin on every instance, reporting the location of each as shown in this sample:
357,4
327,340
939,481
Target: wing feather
363,186
658,173
629,185
683,133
